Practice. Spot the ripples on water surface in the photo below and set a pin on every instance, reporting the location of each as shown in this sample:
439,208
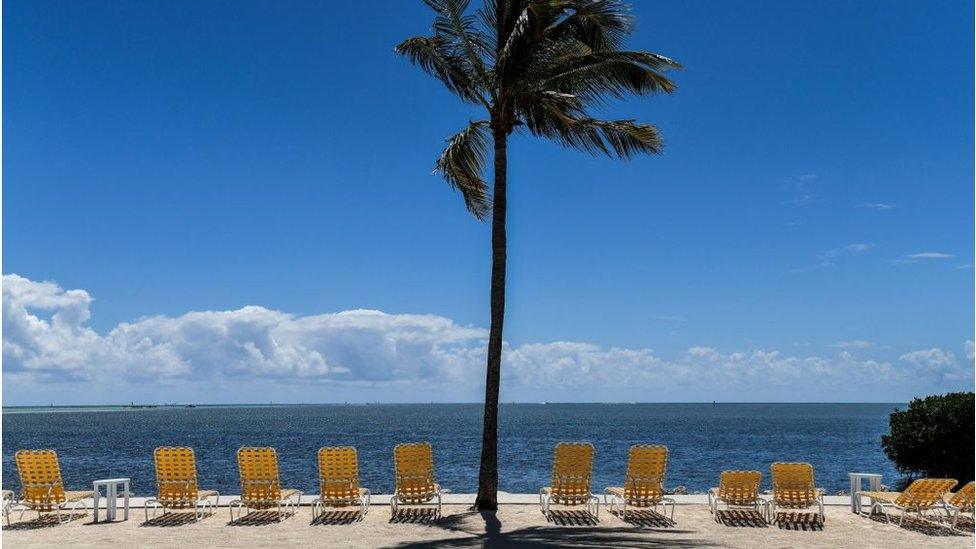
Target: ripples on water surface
703,438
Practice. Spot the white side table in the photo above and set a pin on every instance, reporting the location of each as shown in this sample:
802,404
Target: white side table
111,486
874,485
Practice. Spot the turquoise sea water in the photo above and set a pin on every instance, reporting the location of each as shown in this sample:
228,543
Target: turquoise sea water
704,439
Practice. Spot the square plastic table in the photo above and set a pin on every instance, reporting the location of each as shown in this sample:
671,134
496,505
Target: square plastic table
874,485
111,486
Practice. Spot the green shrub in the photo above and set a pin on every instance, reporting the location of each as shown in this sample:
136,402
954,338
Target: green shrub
933,438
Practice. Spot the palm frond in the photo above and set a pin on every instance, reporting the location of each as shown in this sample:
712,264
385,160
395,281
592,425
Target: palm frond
462,165
460,29
599,75
560,117
601,25
522,41
433,54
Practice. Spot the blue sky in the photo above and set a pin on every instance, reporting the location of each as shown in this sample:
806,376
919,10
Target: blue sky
815,201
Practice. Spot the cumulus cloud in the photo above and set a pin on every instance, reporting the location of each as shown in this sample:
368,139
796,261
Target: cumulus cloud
49,341
933,361
46,339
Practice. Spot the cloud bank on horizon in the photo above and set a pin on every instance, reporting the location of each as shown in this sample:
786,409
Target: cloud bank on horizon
254,354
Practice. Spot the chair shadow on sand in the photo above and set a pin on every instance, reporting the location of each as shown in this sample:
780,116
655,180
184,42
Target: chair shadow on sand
645,518
260,518
419,515
168,520
44,521
572,518
789,520
336,518
966,525
914,524
547,536
741,518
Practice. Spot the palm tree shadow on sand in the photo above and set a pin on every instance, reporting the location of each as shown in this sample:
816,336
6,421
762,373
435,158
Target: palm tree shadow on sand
552,535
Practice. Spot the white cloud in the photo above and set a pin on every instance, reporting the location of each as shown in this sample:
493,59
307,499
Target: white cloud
929,255
877,206
215,345
56,346
830,257
671,318
400,357
852,344
930,358
938,362
801,188
922,256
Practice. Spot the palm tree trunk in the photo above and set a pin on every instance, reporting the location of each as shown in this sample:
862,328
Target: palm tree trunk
488,476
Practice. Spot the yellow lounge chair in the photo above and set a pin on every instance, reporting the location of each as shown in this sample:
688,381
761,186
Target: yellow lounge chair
738,489
924,494
413,467
339,481
260,485
644,483
960,502
794,488
572,471
176,484
42,489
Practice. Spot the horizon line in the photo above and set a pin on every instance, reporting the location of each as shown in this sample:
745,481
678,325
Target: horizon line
145,405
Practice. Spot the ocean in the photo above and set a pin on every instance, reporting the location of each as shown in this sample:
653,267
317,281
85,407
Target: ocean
703,440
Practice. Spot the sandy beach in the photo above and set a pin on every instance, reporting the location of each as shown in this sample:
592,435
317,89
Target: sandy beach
513,526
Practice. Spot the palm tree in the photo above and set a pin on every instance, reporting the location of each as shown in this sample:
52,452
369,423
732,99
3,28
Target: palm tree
535,66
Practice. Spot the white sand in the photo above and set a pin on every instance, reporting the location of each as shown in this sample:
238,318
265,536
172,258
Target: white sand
512,526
